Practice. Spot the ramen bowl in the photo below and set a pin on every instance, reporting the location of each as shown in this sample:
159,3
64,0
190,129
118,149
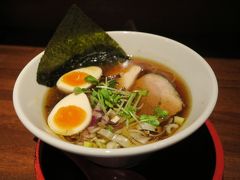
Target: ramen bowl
28,97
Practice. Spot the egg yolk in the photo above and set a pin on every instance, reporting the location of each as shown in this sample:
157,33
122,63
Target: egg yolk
75,78
69,117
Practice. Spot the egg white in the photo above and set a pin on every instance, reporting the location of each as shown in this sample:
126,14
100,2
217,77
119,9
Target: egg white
79,100
94,71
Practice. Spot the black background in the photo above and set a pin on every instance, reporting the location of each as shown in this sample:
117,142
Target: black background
212,28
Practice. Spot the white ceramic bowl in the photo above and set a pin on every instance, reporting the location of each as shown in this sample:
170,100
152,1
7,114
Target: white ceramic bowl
28,96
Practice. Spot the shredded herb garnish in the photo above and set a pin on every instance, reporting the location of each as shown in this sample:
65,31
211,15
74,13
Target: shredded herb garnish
124,103
111,83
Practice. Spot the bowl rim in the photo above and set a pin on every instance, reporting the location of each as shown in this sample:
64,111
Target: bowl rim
131,151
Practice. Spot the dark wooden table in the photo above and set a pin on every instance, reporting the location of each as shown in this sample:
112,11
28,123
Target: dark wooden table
17,147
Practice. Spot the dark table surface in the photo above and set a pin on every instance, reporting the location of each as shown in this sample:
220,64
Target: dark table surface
18,147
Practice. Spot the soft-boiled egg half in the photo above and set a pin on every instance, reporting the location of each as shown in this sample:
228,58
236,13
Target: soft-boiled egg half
71,115
76,78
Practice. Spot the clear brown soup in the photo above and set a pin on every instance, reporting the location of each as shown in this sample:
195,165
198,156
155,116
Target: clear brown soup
54,95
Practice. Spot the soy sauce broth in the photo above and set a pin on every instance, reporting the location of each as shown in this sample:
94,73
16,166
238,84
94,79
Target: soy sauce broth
54,95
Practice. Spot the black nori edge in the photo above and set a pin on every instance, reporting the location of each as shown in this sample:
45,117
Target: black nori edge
77,42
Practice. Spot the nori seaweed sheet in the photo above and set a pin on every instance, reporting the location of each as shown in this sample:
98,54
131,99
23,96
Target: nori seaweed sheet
77,42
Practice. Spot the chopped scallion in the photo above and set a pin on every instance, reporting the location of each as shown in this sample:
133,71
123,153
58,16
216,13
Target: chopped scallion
160,112
87,144
150,119
178,120
78,90
91,80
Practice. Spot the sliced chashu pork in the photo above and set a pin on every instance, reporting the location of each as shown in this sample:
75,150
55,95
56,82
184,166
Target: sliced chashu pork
161,92
128,78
